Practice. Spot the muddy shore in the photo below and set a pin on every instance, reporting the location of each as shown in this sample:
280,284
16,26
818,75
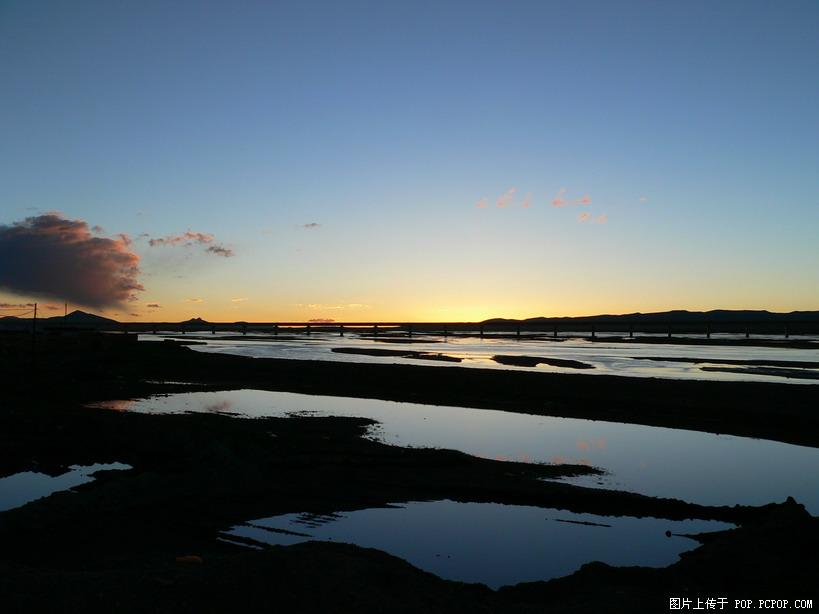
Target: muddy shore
114,543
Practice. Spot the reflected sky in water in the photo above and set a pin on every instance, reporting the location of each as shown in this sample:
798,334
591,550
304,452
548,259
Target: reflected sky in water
608,358
26,486
487,542
699,467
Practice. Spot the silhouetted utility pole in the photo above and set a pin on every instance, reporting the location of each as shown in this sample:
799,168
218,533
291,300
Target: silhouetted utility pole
34,330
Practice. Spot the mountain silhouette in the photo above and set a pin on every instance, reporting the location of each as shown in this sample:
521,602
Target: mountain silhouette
679,316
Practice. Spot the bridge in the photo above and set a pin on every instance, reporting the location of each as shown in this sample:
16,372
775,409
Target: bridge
589,328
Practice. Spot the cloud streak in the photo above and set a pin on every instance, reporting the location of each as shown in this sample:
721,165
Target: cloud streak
51,256
189,239
220,250
186,239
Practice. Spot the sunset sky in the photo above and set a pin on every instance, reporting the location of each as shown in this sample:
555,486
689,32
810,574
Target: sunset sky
408,160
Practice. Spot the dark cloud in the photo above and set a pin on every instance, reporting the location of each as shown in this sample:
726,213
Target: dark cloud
154,306
48,255
311,225
16,305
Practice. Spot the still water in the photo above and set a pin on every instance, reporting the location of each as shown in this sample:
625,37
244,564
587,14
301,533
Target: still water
26,486
703,468
487,542
605,358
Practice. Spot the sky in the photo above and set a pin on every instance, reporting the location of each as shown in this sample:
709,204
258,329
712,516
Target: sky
408,161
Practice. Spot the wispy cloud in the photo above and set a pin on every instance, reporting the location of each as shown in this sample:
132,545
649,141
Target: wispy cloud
527,201
311,225
196,300
239,300
505,199
482,204
583,217
220,250
644,199
51,256
154,306
601,219
185,239
584,200
189,239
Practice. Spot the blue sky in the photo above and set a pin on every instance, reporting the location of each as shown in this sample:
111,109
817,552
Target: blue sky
692,126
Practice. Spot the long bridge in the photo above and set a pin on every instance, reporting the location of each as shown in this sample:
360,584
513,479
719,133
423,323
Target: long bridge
590,328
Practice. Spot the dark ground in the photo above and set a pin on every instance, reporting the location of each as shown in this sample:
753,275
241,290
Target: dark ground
112,545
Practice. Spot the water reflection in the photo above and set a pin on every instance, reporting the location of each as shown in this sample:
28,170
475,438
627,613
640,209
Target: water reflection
634,359
21,488
487,542
699,467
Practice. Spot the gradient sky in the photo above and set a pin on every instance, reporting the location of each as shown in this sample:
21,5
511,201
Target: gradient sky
354,155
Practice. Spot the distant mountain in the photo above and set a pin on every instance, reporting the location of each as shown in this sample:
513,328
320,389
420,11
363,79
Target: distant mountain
195,321
681,316
80,317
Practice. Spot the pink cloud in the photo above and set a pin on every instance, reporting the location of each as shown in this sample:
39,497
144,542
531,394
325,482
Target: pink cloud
558,200
583,217
481,204
601,219
505,199
527,201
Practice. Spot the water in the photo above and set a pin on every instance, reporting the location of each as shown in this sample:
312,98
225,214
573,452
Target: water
487,542
21,488
607,358
699,467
